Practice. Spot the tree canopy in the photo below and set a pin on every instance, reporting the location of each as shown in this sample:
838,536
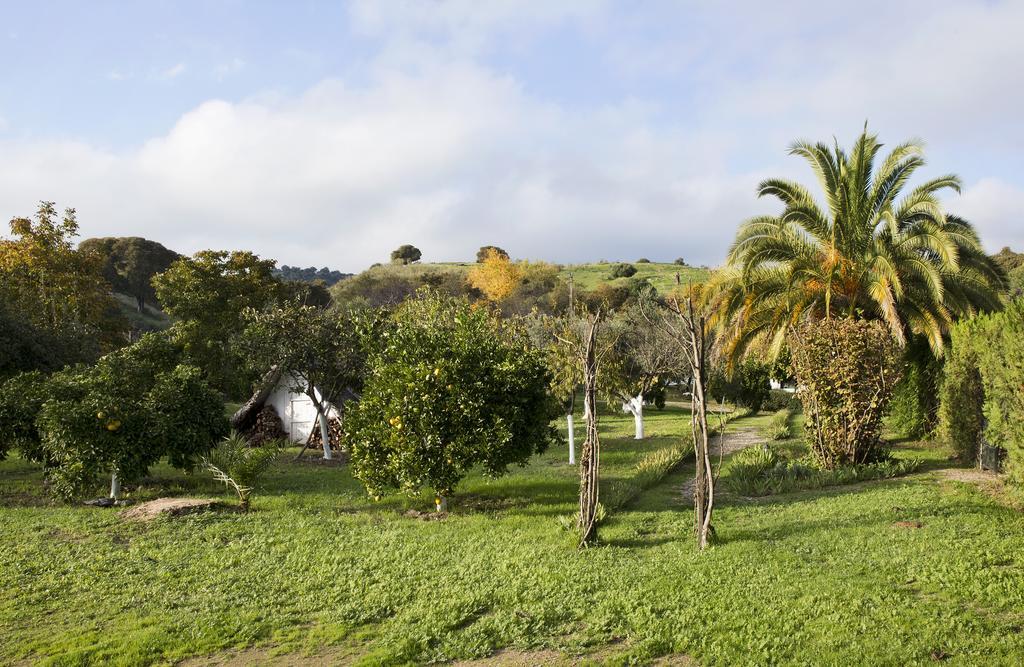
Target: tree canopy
208,293
870,252
406,254
450,387
53,286
129,264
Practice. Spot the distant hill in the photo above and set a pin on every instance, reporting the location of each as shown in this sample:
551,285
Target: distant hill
586,276
310,274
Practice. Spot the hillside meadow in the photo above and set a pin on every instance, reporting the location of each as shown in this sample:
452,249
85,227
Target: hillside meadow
318,571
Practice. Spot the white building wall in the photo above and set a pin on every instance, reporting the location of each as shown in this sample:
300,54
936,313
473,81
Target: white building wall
296,410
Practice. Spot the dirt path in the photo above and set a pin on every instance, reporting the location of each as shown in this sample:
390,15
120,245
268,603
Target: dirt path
734,441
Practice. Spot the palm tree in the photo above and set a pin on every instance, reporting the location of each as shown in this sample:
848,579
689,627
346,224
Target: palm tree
871,252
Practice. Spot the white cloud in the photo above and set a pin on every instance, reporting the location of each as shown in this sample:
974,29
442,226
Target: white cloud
449,160
434,148
173,71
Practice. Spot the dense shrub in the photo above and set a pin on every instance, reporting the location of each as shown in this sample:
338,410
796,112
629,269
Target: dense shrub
1001,361
961,395
622,270
846,370
450,388
780,399
760,471
913,410
747,386
643,260
983,387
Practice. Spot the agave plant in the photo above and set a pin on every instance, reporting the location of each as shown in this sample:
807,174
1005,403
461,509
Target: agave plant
871,252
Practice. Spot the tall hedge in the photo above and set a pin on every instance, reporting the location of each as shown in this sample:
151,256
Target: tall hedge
846,370
1000,351
984,387
961,394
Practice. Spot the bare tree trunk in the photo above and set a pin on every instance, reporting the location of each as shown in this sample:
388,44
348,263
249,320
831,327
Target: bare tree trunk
704,484
590,458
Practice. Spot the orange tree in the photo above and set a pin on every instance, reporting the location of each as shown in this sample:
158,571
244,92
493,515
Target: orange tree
132,408
450,387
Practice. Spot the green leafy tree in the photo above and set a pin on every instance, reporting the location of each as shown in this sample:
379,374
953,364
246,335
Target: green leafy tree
25,346
321,351
405,254
451,387
747,384
208,294
54,286
644,360
129,264
134,407
871,252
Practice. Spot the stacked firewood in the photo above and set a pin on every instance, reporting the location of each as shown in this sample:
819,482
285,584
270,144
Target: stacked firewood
266,428
333,428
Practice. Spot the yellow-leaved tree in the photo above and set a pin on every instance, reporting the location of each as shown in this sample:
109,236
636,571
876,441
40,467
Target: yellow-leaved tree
496,276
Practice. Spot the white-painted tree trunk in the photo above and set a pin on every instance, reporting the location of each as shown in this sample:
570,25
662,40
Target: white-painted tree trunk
441,503
572,439
115,485
325,435
635,406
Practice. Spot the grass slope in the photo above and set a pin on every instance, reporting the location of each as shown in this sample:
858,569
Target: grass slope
151,319
821,577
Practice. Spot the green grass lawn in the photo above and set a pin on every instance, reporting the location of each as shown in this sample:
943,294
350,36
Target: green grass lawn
318,570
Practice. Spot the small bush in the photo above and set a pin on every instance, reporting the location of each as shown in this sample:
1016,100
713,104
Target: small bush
643,260
779,399
758,471
679,261
239,465
748,386
622,270
779,427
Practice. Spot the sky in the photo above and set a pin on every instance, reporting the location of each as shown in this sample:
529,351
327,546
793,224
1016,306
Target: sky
329,133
